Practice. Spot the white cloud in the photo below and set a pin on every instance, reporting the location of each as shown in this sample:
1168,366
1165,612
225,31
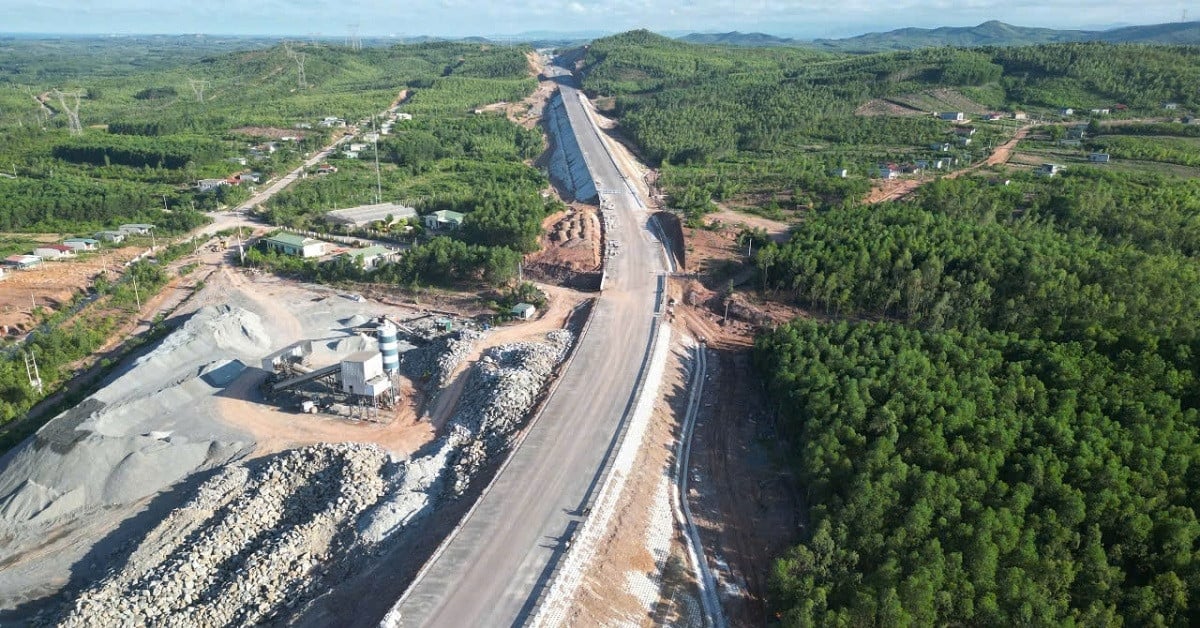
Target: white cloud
467,17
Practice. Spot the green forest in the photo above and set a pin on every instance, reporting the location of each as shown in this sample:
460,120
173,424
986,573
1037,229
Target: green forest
777,121
991,406
157,115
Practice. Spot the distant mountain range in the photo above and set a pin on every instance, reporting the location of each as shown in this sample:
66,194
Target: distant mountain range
987,34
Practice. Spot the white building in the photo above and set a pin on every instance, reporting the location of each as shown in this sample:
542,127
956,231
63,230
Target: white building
136,228
54,251
524,311
362,374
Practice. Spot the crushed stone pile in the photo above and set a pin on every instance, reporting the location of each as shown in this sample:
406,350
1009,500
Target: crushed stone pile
498,397
501,392
438,359
138,435
258,540
253,542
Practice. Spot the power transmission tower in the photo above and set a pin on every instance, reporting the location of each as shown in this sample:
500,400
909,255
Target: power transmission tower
298,57
198,88
353,41
31,371
72,114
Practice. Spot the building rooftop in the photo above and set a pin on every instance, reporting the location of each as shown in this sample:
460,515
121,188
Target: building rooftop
84,240
370,251
137,225
290,239
446,215
367,214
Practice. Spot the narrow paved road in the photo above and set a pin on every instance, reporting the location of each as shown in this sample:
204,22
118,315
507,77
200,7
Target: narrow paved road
492,571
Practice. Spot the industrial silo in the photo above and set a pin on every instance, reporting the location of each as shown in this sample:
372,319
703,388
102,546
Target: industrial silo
389,348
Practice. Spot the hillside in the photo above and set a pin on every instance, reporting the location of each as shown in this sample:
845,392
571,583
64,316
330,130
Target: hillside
738,39
988,397
995,33
991,33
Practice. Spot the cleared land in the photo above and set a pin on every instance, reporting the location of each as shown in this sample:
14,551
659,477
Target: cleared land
53,284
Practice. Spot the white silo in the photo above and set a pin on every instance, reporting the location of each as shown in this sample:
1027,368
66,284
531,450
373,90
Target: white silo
389,347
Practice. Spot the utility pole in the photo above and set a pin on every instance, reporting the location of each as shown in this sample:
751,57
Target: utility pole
136,295
378,182
241,252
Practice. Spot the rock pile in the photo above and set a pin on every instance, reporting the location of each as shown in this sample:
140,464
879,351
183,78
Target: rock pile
251,544
258,540
438,359
501,392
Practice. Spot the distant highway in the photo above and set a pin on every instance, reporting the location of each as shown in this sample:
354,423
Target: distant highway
491,572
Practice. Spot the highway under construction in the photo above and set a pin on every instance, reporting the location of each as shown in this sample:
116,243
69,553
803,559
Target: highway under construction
497,563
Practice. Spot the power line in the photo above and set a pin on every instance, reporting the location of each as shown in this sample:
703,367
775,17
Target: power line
72,114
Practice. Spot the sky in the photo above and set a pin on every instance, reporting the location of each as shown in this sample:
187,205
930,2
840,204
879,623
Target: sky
336,18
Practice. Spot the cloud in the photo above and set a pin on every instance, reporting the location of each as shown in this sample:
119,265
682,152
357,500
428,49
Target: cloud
474,17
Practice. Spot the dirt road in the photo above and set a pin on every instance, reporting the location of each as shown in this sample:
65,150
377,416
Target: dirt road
898,189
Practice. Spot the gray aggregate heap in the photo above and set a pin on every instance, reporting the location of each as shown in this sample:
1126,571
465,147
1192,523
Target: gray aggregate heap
499,395
251,544
260,539
438,359
501,392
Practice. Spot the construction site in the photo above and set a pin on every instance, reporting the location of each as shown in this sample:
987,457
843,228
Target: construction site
220,450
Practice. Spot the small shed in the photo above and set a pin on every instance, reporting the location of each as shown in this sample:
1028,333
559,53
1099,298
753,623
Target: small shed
362,374
524,311
953,116
137,228
1049,170
1098,158
293,244
54,251
116,237
371,256
82,244
22,262
444,219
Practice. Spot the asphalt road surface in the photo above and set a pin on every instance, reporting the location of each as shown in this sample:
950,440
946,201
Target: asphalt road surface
492,571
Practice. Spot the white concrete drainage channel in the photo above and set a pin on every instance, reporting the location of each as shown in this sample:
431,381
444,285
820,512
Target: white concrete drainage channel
556,605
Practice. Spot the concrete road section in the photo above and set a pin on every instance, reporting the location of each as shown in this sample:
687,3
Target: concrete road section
492,571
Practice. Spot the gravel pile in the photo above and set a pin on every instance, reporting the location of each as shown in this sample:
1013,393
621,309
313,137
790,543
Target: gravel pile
137,435
250,545
438,359
261,539
501,392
